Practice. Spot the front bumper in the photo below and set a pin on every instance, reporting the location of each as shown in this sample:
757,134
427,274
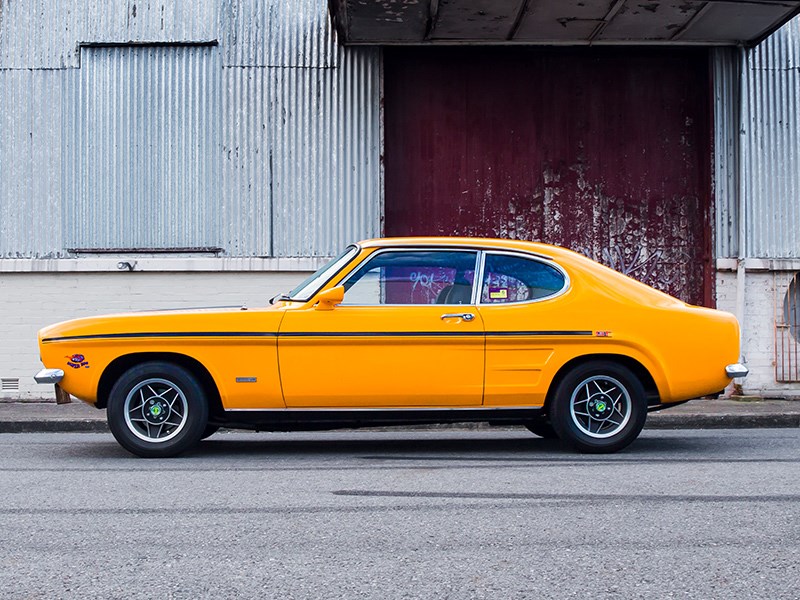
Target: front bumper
736,370
49,376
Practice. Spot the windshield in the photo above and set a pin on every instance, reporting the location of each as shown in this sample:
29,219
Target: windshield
311,286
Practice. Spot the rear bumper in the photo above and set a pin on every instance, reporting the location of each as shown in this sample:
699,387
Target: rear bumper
49,376
736,370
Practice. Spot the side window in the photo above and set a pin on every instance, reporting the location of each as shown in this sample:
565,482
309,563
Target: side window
516,279
413,277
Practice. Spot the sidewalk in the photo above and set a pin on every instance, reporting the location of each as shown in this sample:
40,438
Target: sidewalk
25,417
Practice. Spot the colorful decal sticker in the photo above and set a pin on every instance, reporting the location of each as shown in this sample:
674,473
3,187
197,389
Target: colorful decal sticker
498,293
76,361
602,333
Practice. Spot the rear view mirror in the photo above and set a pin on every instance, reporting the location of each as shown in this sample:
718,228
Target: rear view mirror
330,298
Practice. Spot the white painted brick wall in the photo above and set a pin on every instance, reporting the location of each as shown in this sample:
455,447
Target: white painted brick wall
762,288
29,301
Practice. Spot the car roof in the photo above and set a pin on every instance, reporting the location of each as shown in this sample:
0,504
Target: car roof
539,248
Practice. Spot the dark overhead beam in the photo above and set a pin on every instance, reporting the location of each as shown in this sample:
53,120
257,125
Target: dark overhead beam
409,22
433,18
679,32
523,9
780,23
612,12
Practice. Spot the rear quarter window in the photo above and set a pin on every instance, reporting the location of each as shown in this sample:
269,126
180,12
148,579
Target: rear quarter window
508,279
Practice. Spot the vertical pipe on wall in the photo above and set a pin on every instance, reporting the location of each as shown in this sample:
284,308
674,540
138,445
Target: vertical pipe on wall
741,181
382,149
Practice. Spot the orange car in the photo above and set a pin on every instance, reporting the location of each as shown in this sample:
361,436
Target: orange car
403,331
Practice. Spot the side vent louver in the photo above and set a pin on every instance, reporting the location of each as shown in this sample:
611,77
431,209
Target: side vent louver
9,384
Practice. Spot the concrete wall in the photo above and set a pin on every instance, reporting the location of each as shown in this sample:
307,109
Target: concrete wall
764,289
30,300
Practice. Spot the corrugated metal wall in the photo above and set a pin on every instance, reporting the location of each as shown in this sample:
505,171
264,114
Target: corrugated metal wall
758,147
47,34
265,145
726,71
143,140
30,163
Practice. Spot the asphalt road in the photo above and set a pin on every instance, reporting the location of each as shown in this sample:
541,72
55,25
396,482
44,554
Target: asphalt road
436,514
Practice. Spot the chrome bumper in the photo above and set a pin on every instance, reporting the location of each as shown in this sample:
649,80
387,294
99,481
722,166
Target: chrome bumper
49,376
736,370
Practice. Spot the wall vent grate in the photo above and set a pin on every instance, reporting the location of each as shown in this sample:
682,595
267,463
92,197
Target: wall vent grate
9,384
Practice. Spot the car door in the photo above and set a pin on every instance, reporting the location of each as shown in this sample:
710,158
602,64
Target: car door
527,321
406,334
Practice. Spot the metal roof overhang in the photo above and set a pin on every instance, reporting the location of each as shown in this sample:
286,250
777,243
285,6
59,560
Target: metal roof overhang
560,22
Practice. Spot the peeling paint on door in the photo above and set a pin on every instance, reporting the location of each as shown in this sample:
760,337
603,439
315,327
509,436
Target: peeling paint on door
604,151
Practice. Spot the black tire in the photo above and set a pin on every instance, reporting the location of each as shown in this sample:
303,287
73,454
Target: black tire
157,410
542,428
209,431
606,396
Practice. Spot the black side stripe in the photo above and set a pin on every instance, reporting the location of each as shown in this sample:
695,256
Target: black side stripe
295,334
162,334
430,333
540,332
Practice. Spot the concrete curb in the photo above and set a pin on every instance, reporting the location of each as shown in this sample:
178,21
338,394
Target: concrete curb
701,421
54,426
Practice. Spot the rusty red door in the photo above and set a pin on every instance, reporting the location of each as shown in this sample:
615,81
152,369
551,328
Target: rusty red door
605,151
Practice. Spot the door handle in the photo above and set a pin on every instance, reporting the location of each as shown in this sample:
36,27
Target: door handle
464,316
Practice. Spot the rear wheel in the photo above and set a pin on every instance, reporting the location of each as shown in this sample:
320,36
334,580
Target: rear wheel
599,407
157,410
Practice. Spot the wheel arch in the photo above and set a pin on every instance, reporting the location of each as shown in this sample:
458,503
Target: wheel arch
638,369
121,364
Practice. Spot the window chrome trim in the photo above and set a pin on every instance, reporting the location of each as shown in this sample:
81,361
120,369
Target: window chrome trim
404,248
473,299
476,299
532,257
478,247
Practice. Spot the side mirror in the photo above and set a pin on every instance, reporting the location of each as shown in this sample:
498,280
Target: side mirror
330,298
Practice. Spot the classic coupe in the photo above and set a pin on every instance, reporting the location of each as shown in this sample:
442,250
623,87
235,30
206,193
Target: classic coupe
404,331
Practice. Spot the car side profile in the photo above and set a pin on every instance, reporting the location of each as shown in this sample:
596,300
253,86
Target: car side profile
404,331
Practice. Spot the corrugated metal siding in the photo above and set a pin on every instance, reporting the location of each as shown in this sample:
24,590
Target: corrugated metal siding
309,141
326,155
726,69
772,155
30,163
279,33
45,34
246,195
288,162
766,153
145,139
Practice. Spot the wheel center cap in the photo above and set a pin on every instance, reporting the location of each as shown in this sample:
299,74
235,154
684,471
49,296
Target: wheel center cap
156,411
600,407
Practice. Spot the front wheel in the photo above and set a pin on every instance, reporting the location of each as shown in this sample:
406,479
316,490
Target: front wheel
157,410
599,407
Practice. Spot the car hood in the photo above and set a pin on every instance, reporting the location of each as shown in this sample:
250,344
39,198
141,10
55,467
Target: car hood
170,321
